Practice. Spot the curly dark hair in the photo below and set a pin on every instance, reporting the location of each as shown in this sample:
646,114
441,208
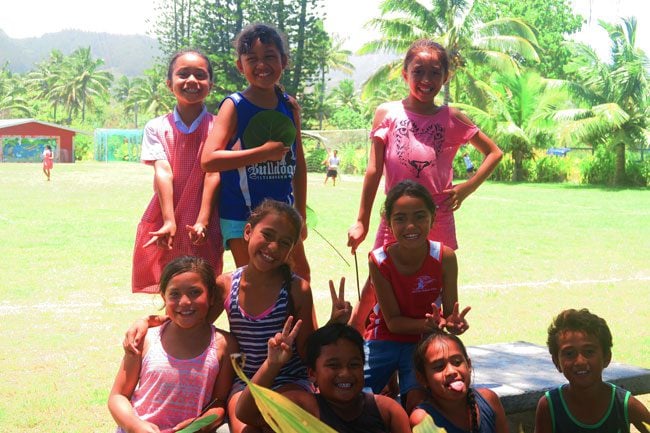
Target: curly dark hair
579,320
330,334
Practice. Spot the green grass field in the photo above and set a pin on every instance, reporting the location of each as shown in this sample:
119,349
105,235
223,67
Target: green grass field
526,252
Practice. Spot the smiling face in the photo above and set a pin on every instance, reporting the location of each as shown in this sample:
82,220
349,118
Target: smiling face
271,240
262,65
580,358
447,371
187,300
190,79
425,75
410,220
339,372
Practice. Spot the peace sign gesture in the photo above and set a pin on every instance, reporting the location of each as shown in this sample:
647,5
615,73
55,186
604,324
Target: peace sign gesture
341,309
434,320
456,323
280,346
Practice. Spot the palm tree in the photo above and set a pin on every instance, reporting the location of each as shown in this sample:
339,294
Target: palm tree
43,80
151,93
614,95
333,57
500,44
84,81
123,93
11,94
518,110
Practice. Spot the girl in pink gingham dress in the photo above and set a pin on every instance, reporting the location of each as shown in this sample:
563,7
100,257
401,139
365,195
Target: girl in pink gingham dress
185,195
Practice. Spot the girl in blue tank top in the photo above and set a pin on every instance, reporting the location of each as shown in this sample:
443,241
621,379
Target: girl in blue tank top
250,172
444,369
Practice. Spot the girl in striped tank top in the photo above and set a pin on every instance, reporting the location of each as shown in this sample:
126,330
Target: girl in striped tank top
261,295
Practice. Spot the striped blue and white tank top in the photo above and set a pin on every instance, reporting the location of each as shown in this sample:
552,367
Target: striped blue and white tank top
253,333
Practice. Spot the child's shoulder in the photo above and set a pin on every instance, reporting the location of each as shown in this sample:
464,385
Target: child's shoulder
459,115
225,339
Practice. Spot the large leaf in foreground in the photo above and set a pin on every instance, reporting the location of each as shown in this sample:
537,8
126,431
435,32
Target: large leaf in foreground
280,413
428,426
198,424
269,125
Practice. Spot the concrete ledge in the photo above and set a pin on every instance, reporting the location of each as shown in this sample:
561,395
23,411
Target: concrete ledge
521,372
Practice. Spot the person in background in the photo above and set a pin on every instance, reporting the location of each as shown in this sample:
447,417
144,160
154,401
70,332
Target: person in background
332,163
48,161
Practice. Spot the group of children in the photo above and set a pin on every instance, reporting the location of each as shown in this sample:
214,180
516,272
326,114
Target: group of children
252,200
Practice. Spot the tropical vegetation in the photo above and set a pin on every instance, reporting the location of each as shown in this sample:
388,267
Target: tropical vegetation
514,71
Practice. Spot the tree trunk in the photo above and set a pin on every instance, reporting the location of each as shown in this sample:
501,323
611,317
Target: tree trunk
518,171
619,173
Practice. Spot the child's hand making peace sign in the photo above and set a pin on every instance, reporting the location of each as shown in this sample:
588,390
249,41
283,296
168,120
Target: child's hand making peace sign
279,346
341,309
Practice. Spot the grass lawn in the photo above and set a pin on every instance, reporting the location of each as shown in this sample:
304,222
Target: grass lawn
526,252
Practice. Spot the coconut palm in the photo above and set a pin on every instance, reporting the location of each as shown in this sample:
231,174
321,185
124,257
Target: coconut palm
123,92
501,44
151,93
83,81
333,57
11,94
42,81
613,95
518,112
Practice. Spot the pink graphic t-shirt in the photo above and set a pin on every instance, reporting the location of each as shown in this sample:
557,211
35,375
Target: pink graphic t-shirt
422,147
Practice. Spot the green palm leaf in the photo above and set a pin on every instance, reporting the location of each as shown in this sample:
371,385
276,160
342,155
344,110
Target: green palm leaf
280,413
428,426
269,125
198,424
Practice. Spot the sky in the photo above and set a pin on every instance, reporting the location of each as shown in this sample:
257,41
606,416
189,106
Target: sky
29,18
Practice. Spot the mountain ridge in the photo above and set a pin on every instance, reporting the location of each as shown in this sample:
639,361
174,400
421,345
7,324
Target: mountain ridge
126,55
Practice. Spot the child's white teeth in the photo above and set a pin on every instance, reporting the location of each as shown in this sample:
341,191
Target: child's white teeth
267,257
344,385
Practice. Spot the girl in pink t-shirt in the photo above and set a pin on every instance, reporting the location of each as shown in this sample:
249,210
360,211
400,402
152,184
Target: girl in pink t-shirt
416,139
184,370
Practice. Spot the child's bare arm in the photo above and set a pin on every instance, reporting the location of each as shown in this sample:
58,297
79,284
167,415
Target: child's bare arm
639,415
198,232
303,303
163,182
543,417
358,231
395,321
500,421
215,157
492,156
135,335
393,414
119,400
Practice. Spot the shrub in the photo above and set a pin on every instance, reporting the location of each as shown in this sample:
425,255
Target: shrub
353,158
599,169
637,172
314,158
83,147
549,168
503,171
